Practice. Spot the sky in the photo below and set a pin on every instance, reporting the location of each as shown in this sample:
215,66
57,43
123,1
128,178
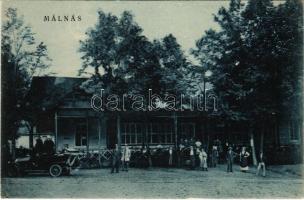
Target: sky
186,20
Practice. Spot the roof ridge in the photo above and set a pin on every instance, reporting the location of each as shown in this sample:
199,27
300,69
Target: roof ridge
46,76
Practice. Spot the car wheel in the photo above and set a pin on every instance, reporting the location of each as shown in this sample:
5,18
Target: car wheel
55,170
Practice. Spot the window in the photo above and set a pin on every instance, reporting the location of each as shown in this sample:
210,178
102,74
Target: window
132,133
294,130
76,96
154,133
187,130
168,128
160,133
81,133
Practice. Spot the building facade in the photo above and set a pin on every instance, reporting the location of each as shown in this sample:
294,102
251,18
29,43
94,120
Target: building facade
63,110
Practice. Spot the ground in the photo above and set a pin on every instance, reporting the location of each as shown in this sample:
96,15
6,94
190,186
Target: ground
280,182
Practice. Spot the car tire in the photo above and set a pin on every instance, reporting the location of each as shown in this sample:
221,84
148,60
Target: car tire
55,170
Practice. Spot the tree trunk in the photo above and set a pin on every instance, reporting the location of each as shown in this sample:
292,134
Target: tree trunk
207,128
31,137
14,138
118,132
277,133
13,148
176,140
146,141
149,158
31,140
87,135
262,140
146,134
254,158
175,130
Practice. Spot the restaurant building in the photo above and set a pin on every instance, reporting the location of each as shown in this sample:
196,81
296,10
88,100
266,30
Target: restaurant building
62,110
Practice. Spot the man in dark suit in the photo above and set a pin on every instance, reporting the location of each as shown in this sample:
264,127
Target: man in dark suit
38,149
230,157
49,146
115,159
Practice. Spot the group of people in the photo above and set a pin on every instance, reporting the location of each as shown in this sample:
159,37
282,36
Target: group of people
244,155
120,158
202,158
46,147
230,157
218,153
200,153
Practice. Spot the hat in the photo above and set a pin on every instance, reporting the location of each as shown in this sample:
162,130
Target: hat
198,143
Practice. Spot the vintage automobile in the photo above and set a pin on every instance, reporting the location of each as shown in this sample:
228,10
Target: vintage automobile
56,165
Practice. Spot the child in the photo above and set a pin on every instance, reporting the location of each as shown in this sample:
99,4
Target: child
203,160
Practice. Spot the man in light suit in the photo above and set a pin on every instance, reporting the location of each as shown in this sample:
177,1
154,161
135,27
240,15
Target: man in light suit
125,158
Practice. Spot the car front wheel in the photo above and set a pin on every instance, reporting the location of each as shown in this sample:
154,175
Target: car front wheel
55,170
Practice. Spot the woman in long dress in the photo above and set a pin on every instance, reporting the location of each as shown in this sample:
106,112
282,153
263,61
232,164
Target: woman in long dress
244,160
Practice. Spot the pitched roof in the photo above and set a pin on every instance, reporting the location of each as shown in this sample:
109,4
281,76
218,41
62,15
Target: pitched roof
48,91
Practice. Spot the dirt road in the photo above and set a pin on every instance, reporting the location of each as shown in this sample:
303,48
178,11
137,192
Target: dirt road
156,183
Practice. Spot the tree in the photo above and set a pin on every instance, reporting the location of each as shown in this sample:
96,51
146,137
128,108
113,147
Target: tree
173,63
289,26
140,67
272,37
99,47
246,57
222,53
118,47
131,63
126,56
22,59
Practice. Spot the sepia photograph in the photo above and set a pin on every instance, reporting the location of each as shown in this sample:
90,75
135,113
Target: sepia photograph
152,99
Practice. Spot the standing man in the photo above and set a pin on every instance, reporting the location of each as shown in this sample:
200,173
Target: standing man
192,157
115,159
261,164
148,154
49,146
230,156
125,158
38,149
214,156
